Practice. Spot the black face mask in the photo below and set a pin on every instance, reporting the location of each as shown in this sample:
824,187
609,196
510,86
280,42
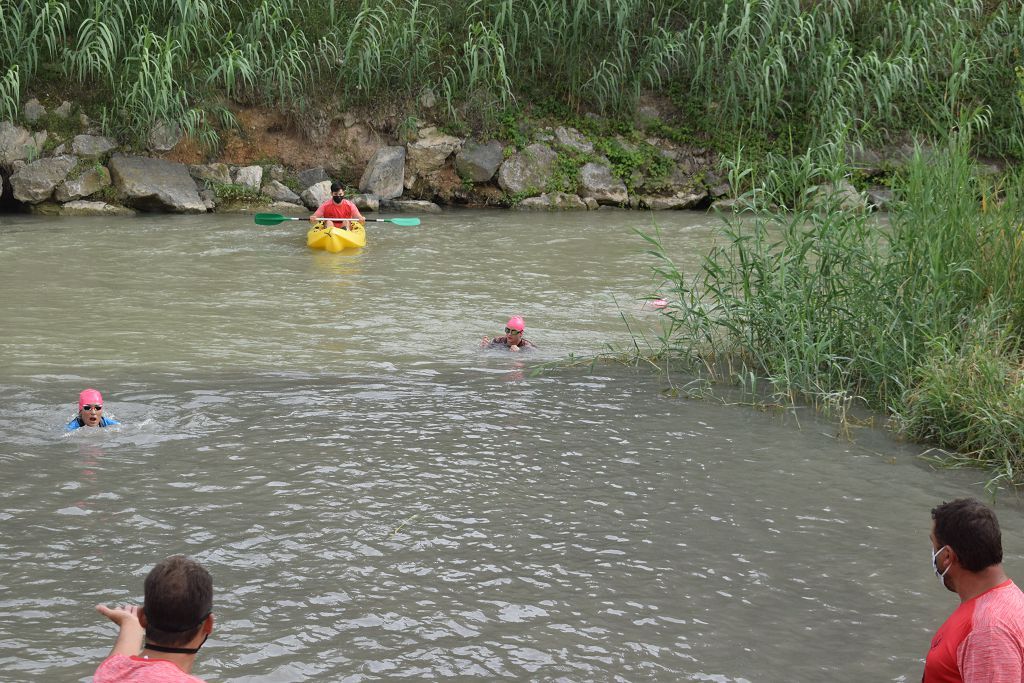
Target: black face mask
337,200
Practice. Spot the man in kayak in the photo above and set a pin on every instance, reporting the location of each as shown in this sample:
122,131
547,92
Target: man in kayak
983,640
337,207
159,641
90,412
513,339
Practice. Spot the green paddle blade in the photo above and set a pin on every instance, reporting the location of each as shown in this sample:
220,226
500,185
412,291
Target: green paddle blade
403,221
269,219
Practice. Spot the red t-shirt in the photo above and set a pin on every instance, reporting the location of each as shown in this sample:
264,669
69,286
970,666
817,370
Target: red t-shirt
124,669
983,640
331,210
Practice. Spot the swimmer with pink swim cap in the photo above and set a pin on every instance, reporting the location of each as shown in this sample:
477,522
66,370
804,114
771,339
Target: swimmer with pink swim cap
513,340
90,412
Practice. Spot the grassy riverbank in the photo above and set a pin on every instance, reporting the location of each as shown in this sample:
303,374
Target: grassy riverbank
779,75
921,318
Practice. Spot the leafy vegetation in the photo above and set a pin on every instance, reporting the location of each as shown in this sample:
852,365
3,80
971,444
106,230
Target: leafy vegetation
766,69
922,319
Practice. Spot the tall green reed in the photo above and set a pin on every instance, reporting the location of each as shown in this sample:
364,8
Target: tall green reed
833,306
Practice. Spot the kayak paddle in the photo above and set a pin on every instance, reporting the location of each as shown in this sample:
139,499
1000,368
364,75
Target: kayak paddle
274,219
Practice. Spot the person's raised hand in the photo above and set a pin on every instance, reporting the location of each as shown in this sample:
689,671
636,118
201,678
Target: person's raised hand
120,615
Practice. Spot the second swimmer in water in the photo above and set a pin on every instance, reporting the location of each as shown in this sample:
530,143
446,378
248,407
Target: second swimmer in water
513,339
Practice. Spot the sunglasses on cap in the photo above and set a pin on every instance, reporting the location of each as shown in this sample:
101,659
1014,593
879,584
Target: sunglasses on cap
509,330
92,407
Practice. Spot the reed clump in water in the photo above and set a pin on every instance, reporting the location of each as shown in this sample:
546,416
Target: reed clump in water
922,318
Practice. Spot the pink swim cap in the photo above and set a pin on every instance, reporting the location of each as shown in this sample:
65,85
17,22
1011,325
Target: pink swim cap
515,323
89,397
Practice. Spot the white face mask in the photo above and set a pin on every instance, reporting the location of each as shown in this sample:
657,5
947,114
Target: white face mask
935,567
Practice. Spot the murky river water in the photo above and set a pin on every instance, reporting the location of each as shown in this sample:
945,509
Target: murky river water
378,499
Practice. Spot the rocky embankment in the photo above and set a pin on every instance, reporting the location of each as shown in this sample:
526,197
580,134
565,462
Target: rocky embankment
83,172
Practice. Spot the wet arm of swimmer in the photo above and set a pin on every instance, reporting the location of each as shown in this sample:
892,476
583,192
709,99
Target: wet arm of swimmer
132,634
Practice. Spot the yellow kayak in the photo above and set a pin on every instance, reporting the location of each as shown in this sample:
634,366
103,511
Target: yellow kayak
320,236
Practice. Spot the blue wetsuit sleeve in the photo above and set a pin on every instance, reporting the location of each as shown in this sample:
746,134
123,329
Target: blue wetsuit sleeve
73,425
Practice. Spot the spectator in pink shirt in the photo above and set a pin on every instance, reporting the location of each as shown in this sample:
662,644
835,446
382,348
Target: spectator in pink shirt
983,639
159,641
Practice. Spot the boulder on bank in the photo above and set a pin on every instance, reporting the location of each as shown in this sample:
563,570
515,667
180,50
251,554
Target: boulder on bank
211,173
84,208
478,162
410,206
280,192
428,154
92,180
555,201
92,146
573,139
385,174
155,184
308,177
684,200
249,176
33,110
35,182
528,170
316,195
597,181
17,144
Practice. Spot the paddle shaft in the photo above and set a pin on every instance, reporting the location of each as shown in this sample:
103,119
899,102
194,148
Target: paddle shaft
274,219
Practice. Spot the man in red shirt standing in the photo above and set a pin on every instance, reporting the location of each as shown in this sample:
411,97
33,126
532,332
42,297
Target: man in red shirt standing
983,640
158,642
337,207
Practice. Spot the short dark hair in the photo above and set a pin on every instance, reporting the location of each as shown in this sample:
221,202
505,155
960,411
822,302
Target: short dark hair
178,598
335,186
971,529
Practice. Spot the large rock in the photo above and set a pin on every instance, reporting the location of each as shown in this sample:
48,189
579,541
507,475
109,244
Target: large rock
841,196
880,198
477,162
311,176
34,110
35,182
92,146
366,202
680,201
555,201
155,184
17,144
317,194
211,173
597,181
428,154
287,208
249,176
573,139
385,174
410,206
527,171
92,180
279,192
83,208
164,136
356,145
